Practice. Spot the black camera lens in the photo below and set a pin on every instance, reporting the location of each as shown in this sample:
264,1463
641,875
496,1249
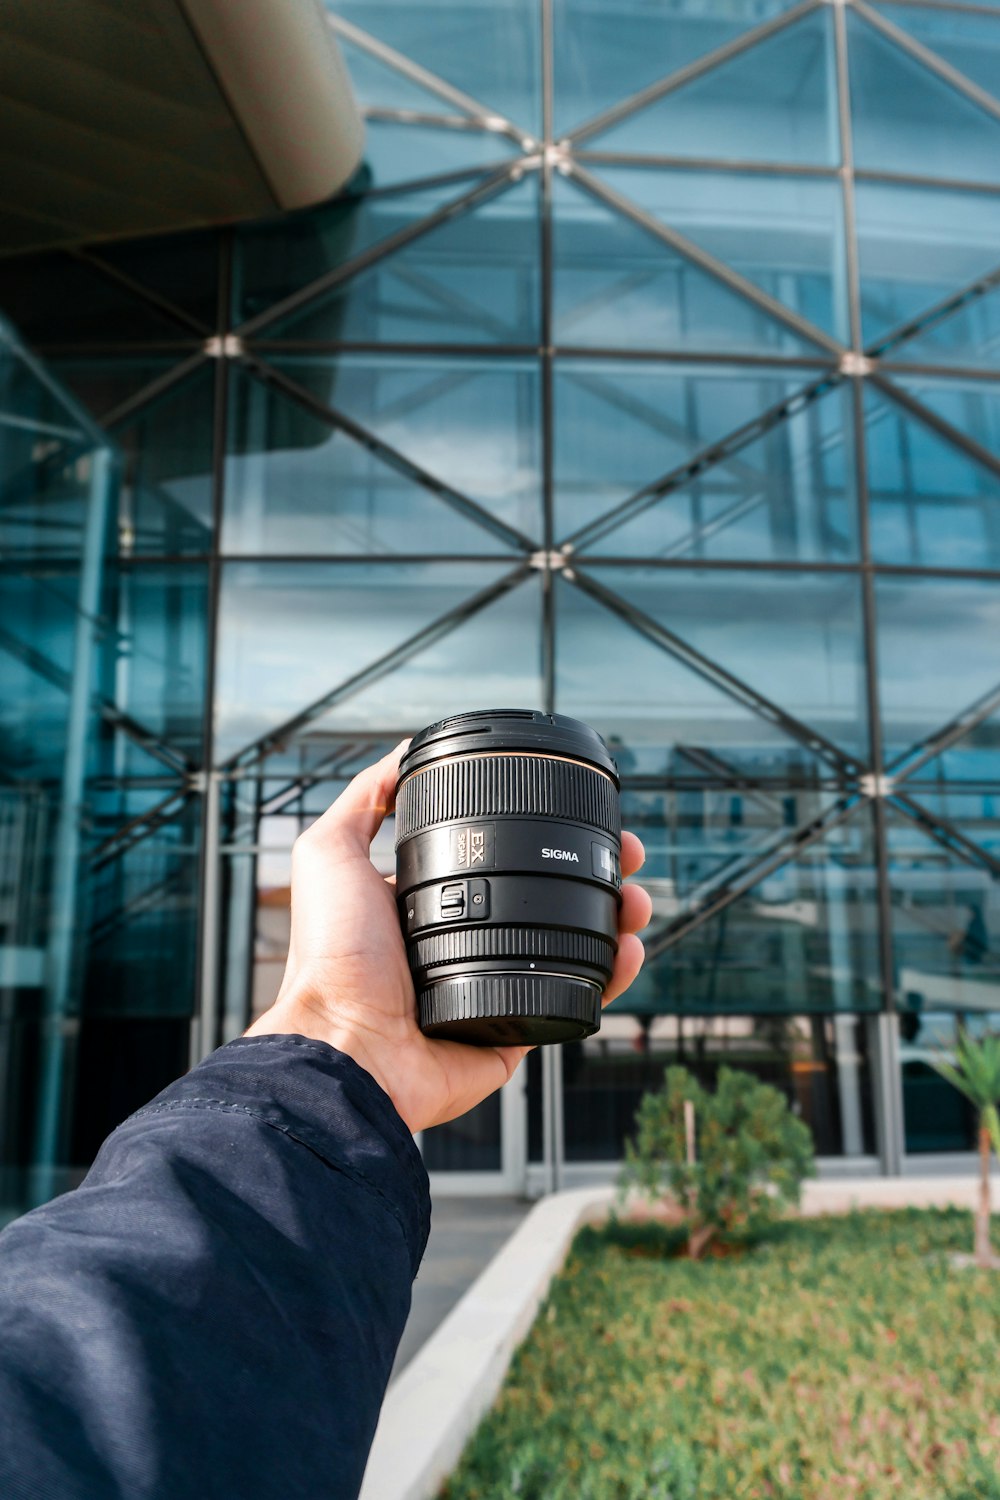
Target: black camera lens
508,875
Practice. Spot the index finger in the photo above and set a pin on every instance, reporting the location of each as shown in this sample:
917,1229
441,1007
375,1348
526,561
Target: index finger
633,854
358,813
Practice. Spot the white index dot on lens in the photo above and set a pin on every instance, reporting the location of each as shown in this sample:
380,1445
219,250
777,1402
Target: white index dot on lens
531,966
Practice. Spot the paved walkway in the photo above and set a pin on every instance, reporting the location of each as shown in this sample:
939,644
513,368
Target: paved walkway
465,1235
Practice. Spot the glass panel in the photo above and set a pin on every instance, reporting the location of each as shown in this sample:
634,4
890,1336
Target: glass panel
968,337
404,152
161,613
616,286
294,483
918,246
707,826
143,913
55,299
818,1064
788,495
471,422
54,649
605,51
620,426
662,716
473,280
102,385
803,652
782,233
936,1116
970,42
775,102
291,632
490,52
165,504
280,256
945,913
38,624
495,656
44,468
469,1144
930,503
804,937
972,407
907,119
377,83
937,656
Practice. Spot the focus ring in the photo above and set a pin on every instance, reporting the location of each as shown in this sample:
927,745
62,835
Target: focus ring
471,997
486,786
458,945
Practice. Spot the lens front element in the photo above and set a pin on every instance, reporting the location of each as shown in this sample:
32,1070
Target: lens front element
508,847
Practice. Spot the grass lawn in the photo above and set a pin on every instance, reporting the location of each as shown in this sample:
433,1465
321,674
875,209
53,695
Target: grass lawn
843,1357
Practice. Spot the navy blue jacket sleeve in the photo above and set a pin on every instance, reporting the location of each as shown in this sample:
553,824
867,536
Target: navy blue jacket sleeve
214,1312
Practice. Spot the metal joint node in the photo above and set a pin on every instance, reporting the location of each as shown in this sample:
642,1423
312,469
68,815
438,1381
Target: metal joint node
224,346
853,363
876,786
547,561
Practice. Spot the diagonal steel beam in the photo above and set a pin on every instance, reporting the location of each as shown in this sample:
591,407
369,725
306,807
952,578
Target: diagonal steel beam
904,769
929,418
737,164
50,672
733,687
490,119
485,188
711,60
325,769
133,404
390,456
944,832
717,899
162,305
709,457
930,60
259,749
704,261
937,313
384,114
133,832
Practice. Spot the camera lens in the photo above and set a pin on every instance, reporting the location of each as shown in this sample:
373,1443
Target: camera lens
508,847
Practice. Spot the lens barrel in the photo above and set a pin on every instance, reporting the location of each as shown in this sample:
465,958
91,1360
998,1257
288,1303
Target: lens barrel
508,875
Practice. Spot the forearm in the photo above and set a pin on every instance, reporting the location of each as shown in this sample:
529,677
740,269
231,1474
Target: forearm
216,1310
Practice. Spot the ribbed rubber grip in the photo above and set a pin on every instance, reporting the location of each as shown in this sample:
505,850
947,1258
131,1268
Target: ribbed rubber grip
459,945
486,786
486,1009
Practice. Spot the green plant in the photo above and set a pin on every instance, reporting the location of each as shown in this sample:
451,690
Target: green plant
731,1161
975,1071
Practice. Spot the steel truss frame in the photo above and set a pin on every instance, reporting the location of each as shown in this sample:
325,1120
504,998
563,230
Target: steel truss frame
874,784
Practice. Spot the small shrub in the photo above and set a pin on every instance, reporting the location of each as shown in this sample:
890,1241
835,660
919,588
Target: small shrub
750,1154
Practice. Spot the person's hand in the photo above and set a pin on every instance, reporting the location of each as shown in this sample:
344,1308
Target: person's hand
347,981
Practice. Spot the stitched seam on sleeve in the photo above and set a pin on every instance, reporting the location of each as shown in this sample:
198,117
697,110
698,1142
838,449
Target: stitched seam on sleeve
228,1106
328,1053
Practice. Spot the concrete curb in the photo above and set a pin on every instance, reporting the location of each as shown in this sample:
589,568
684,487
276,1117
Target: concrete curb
435,1405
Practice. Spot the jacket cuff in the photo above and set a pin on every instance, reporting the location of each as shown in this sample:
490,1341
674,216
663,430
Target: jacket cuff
326,1101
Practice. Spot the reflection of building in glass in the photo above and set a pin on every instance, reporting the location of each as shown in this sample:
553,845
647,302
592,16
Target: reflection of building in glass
649,372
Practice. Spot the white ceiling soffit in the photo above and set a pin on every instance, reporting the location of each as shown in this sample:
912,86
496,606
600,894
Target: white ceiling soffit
128,117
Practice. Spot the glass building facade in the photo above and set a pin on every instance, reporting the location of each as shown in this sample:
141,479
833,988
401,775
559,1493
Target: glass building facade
648,371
